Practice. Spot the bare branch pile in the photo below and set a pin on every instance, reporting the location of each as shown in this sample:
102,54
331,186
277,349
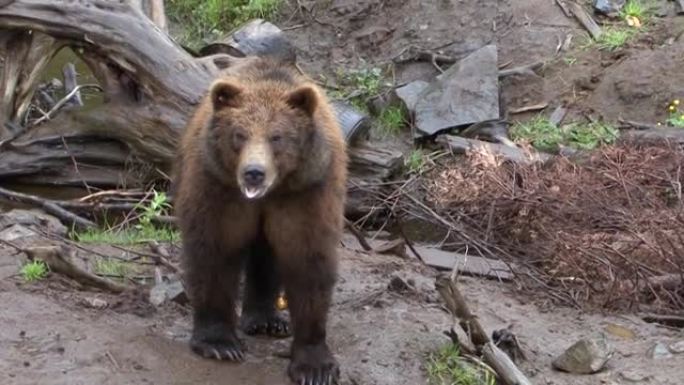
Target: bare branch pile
604,229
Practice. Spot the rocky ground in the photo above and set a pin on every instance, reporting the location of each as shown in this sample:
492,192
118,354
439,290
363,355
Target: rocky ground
54,333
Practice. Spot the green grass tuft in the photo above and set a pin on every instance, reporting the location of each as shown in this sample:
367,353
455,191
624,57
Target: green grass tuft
676,114
545,136
447,367
113,268
390,121
144,231
614,38
415,161
634,8
590,136
34,271
359,86
129,236
539,132
198,18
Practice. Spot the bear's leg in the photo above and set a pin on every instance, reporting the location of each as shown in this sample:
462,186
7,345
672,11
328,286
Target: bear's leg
213,280
262,286
309,282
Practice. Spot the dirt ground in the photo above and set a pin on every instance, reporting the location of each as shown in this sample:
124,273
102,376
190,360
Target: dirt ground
635,82
380,336
49,336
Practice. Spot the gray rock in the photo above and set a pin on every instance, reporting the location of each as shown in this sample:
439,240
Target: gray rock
586,356
659,351
677,347
255,38
32,218
609,7
409,94
467,93
634,376
15,232
168,291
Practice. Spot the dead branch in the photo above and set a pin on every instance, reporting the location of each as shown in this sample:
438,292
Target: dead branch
49,206
362,240
504,367
527,69
585,19
460,145
59,260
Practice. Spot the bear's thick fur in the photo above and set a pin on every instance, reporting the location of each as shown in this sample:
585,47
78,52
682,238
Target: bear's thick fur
260,182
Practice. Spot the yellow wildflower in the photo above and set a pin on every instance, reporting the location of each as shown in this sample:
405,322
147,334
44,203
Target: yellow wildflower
676,102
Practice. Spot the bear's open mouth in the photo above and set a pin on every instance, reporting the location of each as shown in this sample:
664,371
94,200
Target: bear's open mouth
253,192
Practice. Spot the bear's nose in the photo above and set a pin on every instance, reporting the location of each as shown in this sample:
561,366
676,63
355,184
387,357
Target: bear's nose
254,175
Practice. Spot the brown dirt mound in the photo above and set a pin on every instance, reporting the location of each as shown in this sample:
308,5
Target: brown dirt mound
602,230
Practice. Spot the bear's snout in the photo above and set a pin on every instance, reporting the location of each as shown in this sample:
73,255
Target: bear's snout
254,175
256,171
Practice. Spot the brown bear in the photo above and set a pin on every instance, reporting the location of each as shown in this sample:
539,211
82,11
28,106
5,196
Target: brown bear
261,183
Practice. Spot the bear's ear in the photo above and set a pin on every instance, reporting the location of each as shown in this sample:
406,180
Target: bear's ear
304,98
225,94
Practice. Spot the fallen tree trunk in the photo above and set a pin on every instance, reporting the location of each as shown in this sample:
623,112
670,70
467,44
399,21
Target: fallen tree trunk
149,82
150,86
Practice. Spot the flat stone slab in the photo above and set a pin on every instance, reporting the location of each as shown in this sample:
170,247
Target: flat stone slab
465,264
466,93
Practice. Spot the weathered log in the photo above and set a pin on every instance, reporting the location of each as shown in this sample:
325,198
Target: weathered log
26,53
585,19
60,260
150,86
101,162
150,83
70,86
461,145
49,207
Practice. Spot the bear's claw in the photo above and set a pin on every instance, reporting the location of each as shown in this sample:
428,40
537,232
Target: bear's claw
272,325
218,350
314,366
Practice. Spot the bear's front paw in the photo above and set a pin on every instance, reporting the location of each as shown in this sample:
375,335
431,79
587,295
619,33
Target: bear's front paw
218,347
313,364
272,324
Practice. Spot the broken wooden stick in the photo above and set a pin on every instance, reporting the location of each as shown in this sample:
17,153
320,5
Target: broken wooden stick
49,206
505,368
527,69
362,240
585,19
59,260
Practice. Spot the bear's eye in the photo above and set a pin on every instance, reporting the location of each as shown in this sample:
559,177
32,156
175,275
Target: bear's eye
277,138
239,138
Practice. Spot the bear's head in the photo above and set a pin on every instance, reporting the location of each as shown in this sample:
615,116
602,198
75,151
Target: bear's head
260,135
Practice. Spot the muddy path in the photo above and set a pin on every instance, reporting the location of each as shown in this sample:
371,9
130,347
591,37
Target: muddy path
380,335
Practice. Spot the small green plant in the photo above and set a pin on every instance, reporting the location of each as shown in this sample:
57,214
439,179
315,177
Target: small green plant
634,8
415,161
359,86
539,132
613,38
589,136
112,267
448,367
34,271
144,231
676,116
391,120
546,136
